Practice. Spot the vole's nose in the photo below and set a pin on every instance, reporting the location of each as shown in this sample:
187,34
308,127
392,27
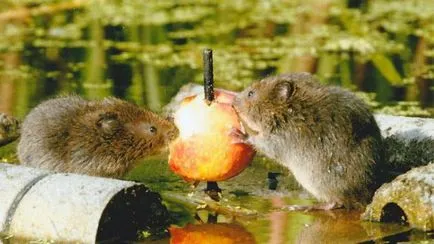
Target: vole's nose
173,133
170,118
236,103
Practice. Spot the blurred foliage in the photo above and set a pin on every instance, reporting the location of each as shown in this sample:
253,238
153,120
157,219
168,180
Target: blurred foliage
145,50
8,153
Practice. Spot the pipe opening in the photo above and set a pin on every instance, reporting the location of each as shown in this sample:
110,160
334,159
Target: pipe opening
391,212
130,213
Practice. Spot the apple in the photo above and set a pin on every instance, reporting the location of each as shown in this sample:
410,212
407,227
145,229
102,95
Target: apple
210,234
205,149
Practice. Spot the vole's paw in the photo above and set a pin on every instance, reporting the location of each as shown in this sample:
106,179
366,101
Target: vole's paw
237,136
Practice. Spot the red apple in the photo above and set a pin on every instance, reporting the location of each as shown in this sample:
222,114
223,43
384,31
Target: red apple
205,150
210,234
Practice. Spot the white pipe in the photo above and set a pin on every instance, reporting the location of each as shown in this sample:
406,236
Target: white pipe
40,205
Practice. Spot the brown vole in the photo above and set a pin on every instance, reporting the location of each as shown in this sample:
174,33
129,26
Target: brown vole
101,138
325,135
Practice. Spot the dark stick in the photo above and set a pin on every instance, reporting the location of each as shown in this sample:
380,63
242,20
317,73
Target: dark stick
212,189
208,77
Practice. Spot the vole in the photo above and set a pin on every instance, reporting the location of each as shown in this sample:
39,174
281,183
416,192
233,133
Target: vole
325,135
101,138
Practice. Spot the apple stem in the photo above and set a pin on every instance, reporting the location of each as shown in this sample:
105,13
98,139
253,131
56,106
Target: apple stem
208,77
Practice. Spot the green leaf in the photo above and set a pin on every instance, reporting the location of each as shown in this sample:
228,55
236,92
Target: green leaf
387,69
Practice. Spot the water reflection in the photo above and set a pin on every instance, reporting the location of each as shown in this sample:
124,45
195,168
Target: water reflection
280,226
219,233
344,226
338,226
248,203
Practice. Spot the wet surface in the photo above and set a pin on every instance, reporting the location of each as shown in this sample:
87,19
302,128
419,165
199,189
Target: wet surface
252,213
255,210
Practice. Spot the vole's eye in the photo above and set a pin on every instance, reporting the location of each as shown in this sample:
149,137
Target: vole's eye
153,129
250,94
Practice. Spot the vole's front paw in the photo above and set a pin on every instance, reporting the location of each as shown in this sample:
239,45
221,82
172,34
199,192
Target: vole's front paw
237,136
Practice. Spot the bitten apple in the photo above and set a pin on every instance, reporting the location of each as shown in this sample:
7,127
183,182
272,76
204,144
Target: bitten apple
205,149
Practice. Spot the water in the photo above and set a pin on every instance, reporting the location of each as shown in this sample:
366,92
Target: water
253,210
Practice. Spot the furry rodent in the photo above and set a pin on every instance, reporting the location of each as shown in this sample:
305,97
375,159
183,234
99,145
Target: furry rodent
325,135
101,138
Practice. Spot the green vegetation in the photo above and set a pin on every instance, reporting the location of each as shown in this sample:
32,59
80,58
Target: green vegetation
145,50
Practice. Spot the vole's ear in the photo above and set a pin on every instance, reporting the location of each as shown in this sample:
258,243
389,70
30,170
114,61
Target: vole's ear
108,123
284,90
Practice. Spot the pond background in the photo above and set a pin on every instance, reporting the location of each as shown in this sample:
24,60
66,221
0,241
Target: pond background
144,51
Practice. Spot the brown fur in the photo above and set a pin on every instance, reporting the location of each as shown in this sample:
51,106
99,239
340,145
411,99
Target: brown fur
103,138
325,135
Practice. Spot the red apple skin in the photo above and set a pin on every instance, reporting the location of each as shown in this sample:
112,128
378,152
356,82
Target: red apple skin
205,150
210,234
